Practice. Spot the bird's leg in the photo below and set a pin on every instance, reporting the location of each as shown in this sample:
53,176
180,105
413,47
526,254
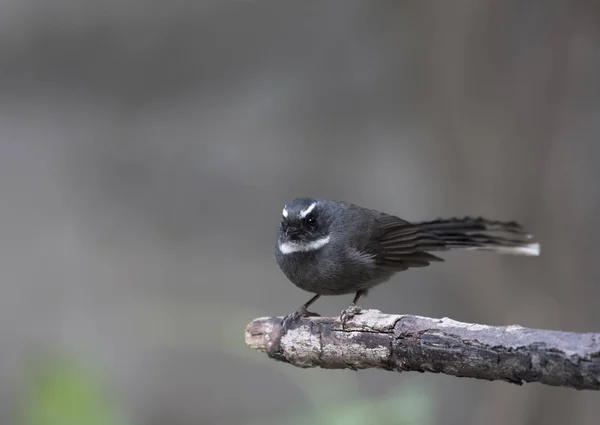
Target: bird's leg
353,309
302,311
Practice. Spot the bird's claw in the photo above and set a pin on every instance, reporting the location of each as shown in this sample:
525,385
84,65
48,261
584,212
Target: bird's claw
288,319
349,313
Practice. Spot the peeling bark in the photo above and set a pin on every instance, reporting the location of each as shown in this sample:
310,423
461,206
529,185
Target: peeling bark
412,343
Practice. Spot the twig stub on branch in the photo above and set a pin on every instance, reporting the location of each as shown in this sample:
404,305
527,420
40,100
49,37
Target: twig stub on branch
414,343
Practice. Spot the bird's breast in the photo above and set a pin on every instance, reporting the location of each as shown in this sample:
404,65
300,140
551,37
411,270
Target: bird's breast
332,274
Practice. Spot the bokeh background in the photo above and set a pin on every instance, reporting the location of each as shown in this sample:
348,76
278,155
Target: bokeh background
146,151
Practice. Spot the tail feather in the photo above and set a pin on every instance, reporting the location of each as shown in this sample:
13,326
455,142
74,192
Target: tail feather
480,234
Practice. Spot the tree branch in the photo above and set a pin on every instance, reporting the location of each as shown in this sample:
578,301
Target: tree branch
412,343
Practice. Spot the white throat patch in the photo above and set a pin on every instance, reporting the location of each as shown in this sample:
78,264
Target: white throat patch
291,247
306,211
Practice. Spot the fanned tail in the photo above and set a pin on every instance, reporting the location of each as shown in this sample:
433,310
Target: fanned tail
504,237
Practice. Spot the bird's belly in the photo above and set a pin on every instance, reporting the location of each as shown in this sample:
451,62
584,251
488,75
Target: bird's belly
325,278
327,286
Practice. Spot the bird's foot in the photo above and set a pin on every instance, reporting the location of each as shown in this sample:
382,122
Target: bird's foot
349,313
288,319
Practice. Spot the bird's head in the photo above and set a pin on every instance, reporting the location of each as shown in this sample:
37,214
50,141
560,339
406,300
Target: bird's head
305,225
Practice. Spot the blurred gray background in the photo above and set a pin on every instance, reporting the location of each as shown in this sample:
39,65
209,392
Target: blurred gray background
147,148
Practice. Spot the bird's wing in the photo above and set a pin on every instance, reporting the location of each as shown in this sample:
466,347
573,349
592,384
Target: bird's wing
398,244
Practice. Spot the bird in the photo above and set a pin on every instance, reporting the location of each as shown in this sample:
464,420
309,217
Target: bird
329,247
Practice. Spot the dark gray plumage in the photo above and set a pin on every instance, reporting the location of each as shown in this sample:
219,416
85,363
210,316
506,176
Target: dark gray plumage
335,248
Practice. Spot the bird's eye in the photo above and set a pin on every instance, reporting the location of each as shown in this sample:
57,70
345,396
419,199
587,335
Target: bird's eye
311,220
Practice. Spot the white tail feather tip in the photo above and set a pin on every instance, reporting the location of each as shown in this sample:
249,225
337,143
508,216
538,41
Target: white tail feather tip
532,249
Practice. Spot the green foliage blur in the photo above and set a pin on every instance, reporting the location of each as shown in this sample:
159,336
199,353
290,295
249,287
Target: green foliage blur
62,391
400,407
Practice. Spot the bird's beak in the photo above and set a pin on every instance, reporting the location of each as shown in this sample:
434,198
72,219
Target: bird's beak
291,231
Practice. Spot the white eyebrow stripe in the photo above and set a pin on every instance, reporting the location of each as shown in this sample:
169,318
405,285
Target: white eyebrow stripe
285,213
306,211
291,247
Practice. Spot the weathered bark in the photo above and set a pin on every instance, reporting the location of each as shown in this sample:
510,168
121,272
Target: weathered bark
412,343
